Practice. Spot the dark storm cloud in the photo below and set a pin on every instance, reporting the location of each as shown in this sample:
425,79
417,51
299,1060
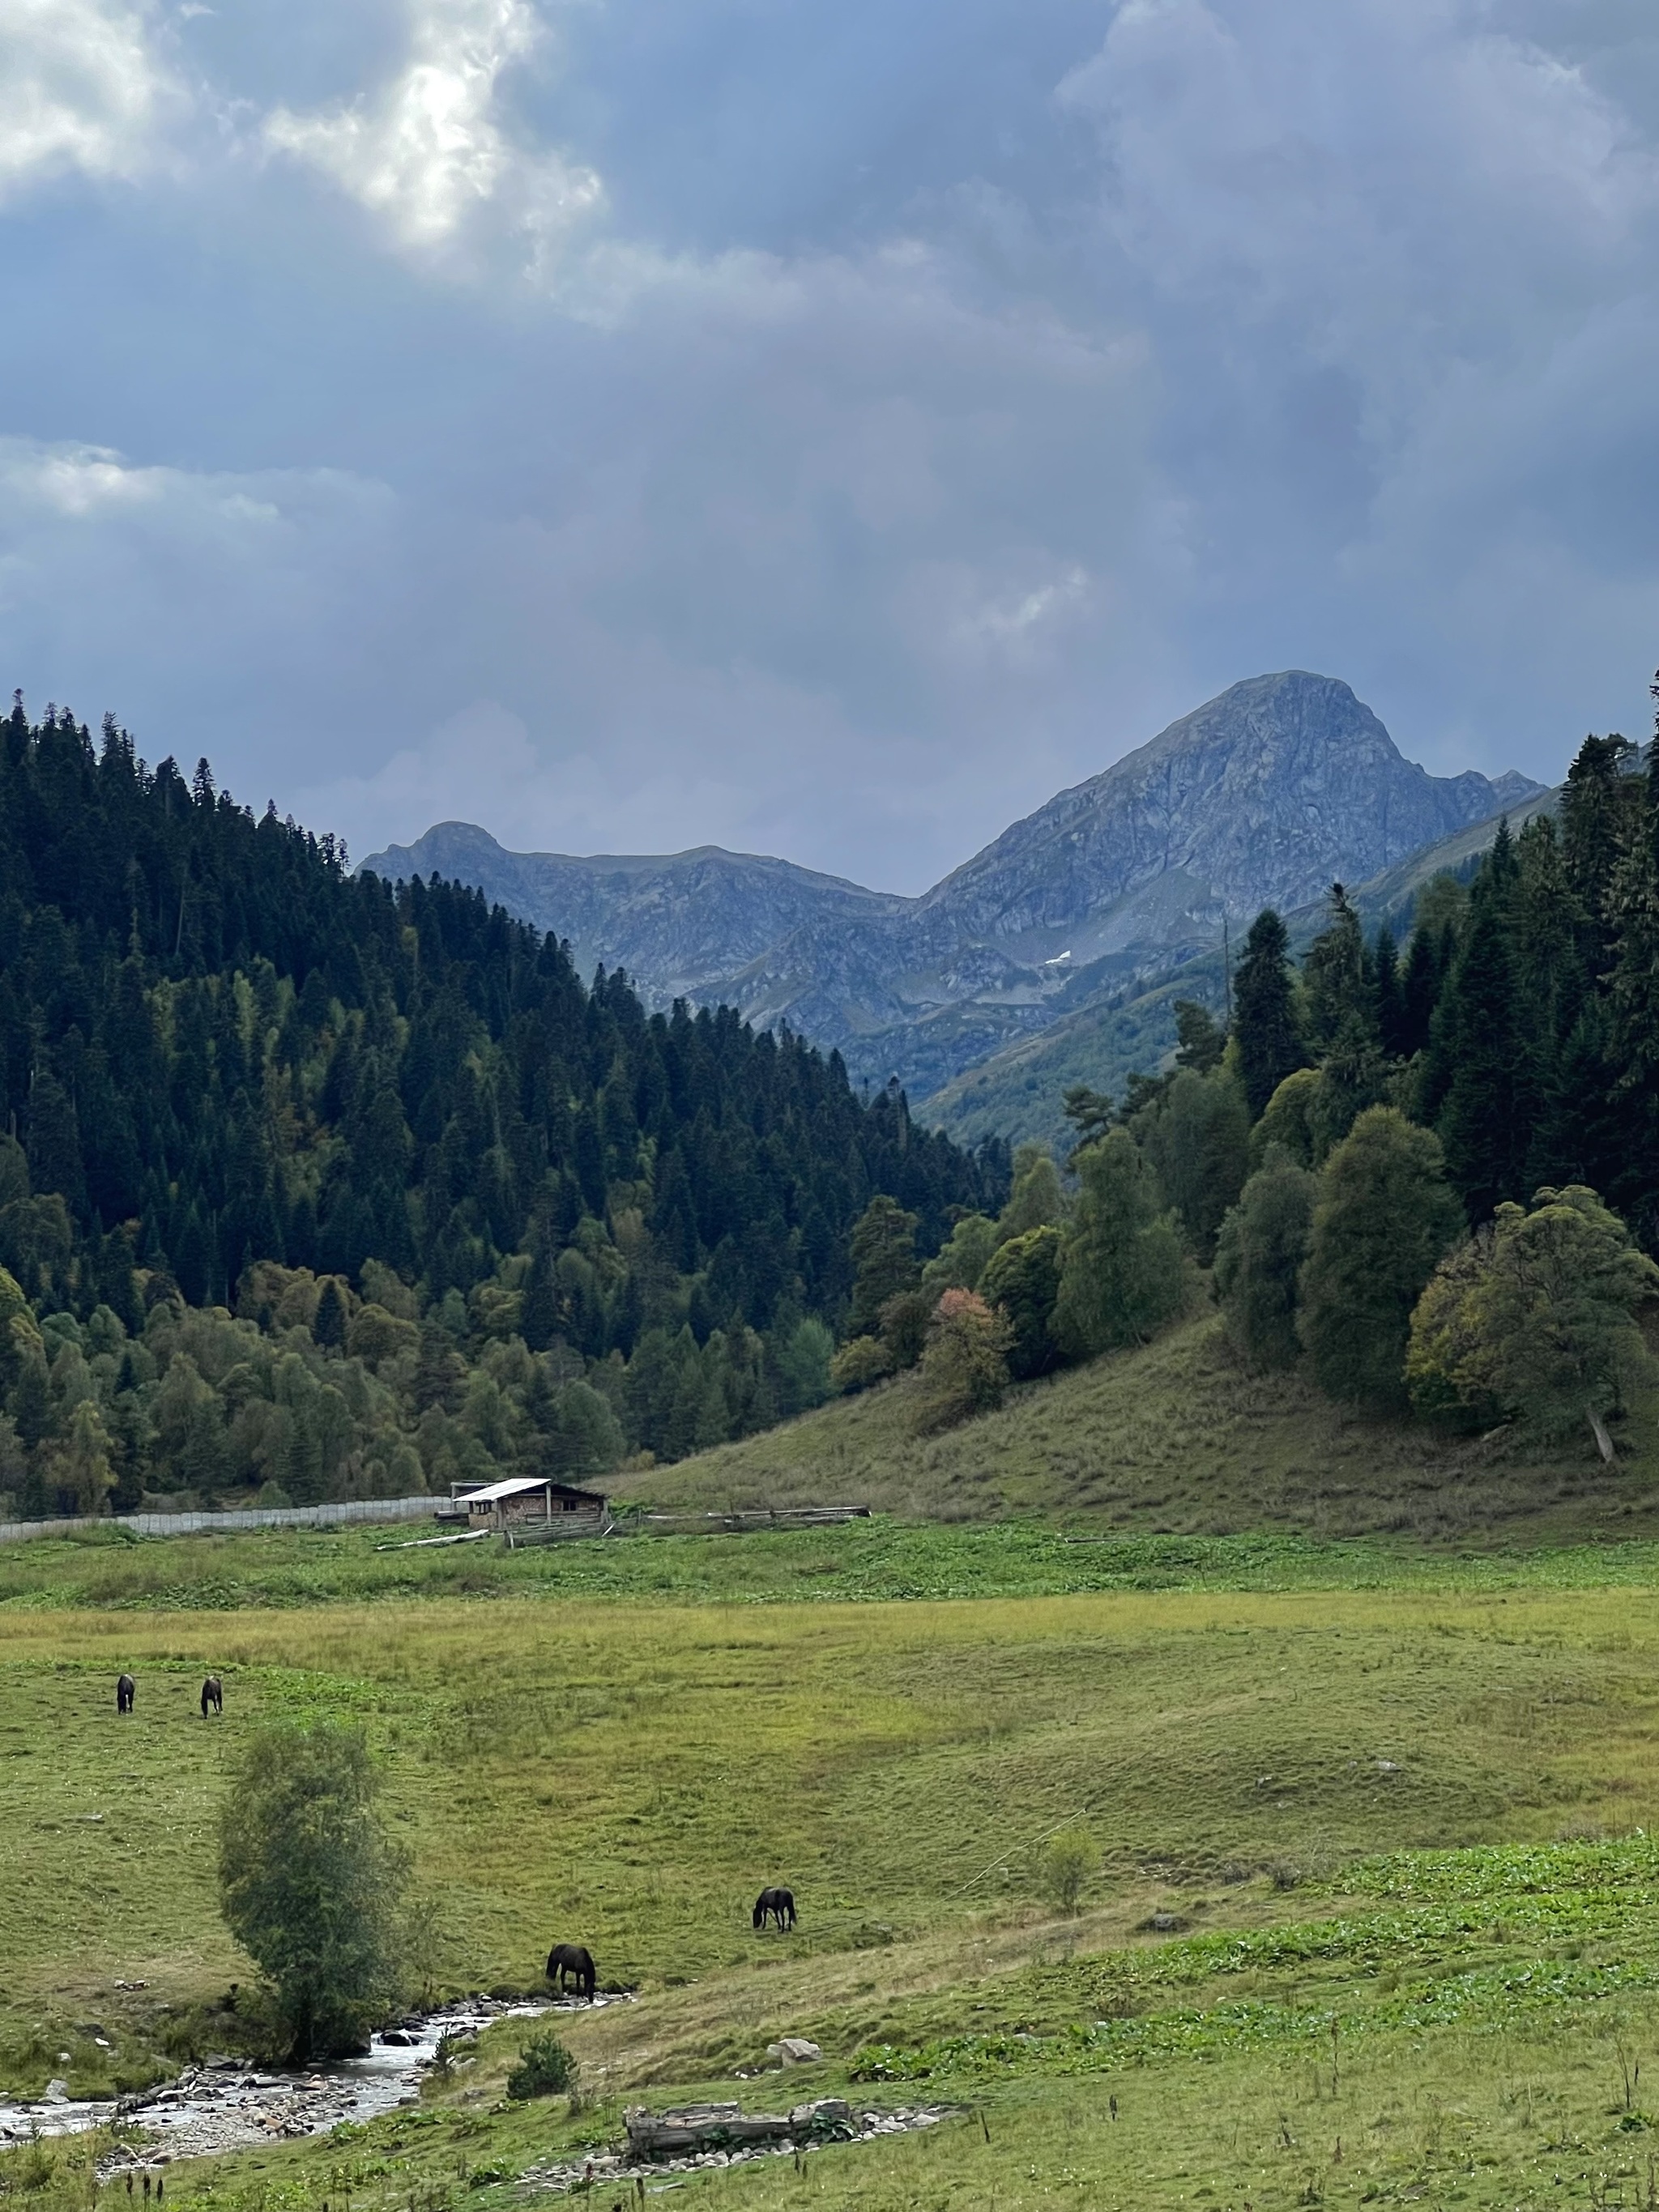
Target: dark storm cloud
825,429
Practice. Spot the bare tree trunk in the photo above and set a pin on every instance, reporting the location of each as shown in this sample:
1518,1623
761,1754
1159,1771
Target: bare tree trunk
1603,1441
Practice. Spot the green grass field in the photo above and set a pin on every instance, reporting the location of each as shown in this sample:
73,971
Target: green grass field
1368,1719
621,1742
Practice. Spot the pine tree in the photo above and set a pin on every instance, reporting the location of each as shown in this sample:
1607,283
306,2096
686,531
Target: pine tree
1265,1026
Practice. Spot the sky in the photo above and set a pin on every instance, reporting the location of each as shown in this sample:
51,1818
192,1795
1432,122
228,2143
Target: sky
818,427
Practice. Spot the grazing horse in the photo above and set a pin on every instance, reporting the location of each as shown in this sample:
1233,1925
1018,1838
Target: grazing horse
125,1690
779,1903
571,1961
213,1693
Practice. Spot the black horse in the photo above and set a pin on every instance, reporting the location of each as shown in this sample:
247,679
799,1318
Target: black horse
568,1962
213,1693
777,1904
125,1690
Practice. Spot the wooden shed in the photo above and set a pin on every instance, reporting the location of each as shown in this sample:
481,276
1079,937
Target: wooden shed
528,1501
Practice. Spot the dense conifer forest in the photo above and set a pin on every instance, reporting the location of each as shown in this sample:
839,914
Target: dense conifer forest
310,1186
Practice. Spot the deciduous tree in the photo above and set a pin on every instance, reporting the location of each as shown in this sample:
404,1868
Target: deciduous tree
310,1884
1383,1220
1259,1257
1123,1275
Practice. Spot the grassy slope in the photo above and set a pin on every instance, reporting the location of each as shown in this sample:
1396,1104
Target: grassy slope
1176,1437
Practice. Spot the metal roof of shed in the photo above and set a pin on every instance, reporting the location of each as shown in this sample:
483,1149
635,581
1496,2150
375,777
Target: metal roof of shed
518,1486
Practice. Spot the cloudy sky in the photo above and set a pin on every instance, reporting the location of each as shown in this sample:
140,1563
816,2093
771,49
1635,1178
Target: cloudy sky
824,427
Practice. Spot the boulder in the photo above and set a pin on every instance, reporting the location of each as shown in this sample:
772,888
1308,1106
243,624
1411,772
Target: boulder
793,2051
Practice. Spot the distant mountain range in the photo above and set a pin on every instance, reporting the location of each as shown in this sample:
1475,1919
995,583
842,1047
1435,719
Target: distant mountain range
1262,797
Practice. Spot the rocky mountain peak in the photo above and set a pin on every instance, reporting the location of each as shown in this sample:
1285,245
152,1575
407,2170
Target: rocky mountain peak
1263,796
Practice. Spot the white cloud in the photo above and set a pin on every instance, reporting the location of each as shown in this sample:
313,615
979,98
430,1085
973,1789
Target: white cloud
428,152
84,89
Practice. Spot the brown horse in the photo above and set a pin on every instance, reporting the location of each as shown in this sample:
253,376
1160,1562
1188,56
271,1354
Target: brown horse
568,1962
125,1690
213,1693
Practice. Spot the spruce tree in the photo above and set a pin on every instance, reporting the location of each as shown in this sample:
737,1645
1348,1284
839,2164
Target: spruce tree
1265,1027
329,1327
1420,989
1633,918
1485,1122
1336,976
1595,806
884,1263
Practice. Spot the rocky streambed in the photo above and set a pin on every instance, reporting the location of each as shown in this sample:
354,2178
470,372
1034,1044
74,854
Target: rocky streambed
226,2104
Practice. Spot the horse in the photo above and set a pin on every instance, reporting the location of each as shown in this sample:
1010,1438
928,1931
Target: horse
779,1903
569,1961
213,1693
125,1690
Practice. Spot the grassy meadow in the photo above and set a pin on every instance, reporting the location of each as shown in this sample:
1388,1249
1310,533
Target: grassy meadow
1400,1790
1364,1722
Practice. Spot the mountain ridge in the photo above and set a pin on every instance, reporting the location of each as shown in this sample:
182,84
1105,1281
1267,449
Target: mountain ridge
1259,796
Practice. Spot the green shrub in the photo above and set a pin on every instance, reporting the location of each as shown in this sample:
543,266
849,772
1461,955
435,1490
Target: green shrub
544,2069
1064,1866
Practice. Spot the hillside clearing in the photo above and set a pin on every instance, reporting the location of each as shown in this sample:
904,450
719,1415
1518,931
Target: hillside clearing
1178,1437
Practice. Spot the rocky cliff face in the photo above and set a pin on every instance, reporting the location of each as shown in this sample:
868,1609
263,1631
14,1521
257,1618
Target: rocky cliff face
1262,797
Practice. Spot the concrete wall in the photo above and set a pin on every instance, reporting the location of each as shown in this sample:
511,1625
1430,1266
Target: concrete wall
194,1524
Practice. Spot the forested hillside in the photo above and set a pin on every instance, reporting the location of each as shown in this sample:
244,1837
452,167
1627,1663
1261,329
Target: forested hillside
1427,1175
456,1211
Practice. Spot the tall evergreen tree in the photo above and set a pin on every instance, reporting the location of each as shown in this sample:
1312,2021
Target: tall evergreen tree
1486,1123
1337,981
1265,1026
